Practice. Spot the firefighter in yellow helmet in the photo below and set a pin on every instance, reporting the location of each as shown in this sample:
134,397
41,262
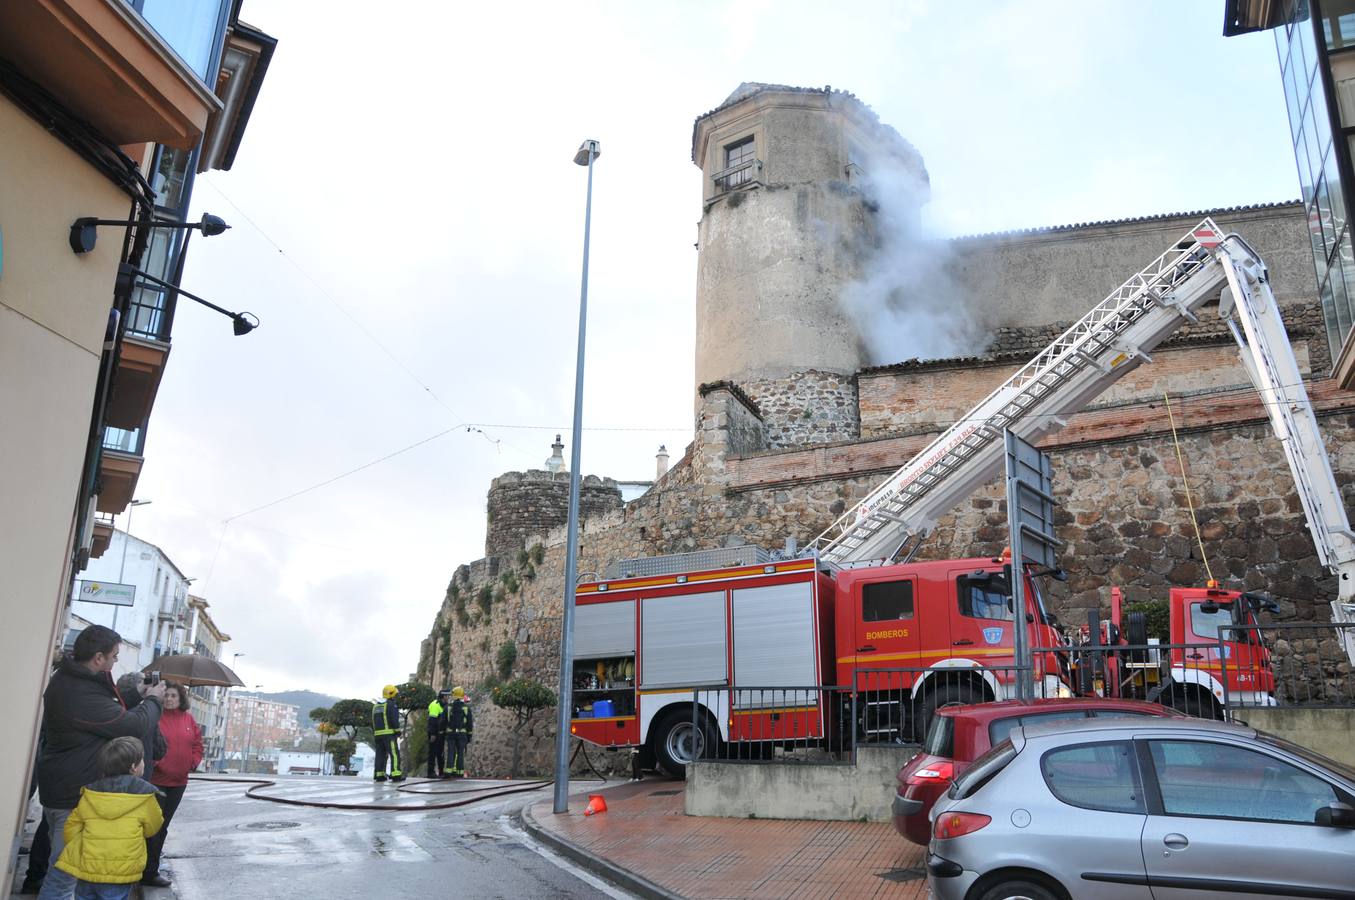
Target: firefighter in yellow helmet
437,733
460,726
386,731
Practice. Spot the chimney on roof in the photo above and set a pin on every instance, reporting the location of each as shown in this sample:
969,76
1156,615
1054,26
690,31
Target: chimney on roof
661,462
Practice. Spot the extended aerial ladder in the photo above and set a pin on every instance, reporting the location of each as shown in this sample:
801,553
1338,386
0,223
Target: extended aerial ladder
1103,346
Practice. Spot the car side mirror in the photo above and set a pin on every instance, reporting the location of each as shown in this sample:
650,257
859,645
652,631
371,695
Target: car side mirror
1337,815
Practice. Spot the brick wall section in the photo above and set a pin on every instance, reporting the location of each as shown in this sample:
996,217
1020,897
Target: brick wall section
809,407
527,503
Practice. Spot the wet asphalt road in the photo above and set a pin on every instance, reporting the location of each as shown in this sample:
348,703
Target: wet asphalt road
223,844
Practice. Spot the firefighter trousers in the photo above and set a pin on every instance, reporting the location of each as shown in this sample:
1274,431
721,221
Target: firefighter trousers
387,748
437,762
456,753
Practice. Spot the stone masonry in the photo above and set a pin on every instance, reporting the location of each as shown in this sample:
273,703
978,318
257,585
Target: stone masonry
522,504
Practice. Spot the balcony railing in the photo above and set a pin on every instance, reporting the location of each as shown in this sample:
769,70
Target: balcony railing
748,172
148,315
124,441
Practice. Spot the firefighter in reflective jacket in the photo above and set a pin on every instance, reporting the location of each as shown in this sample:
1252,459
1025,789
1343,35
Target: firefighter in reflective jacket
437,732
460,726
386,731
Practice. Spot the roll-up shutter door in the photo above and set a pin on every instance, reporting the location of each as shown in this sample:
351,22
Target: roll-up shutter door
774,644
604,629
684,640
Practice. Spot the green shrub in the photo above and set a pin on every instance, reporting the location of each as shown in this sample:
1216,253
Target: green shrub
538,553
508,654
1158,615
485,598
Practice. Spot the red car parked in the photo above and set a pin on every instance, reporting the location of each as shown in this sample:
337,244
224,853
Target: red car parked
961,734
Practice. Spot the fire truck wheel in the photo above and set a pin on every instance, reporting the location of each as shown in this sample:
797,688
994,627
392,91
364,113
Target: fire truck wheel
945,695
677,741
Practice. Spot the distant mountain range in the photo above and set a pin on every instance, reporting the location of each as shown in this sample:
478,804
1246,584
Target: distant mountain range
304,701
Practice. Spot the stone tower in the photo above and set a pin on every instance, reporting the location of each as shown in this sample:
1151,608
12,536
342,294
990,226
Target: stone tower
787,220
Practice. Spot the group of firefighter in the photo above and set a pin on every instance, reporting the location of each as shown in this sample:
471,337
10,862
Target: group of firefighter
450,726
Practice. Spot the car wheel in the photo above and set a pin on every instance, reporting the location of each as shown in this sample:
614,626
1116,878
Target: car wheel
1019,890
678,741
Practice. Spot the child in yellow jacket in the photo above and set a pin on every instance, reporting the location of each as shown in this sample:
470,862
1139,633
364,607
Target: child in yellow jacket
106,832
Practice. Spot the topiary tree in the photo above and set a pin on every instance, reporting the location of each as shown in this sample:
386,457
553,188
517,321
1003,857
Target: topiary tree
342,750
354,717
524,697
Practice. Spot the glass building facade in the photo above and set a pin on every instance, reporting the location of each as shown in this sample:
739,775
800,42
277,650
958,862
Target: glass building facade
1315,44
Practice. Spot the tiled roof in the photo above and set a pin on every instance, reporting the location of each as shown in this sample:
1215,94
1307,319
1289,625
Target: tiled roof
1192,214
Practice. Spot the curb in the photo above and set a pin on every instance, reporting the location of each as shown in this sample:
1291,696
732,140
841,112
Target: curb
636,884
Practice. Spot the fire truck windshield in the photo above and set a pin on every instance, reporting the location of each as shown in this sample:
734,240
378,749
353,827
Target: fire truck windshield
1207,618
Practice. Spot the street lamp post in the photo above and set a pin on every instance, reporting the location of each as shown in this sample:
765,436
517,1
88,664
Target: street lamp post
126,539
588,151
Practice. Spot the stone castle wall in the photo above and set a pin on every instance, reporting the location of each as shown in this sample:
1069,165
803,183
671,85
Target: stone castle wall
1123,515
522,504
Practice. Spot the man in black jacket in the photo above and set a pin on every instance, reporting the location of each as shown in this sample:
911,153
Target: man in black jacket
81,712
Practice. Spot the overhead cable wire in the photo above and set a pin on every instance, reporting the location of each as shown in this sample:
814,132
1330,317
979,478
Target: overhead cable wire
337,305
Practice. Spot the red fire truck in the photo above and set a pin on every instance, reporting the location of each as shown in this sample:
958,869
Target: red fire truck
761,639
736,646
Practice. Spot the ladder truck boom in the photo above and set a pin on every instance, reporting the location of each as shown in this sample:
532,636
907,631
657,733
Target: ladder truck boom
1103,346
1252,315
1107,343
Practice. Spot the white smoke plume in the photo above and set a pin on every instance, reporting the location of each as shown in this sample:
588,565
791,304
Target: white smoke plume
906,303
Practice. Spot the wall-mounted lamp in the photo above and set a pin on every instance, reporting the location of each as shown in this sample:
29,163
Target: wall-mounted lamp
127,275
84,231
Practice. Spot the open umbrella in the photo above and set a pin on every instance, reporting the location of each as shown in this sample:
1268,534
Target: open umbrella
191,669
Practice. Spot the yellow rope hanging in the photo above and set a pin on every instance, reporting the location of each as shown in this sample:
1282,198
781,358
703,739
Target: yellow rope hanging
1190,504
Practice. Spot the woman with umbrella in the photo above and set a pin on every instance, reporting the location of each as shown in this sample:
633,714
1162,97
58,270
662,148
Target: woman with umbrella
184,740
183,753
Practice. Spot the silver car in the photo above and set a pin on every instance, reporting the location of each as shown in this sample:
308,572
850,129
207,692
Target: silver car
1145,809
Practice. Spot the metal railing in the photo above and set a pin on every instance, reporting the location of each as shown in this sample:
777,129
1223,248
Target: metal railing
1309,663
772,724
736,176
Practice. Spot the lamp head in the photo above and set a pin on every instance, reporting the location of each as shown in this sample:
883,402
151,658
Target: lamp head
212,225
243,326
588,151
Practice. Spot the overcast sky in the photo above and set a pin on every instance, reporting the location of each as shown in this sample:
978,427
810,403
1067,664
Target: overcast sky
408,227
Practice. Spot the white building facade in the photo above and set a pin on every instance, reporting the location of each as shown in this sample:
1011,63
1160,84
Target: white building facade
157,622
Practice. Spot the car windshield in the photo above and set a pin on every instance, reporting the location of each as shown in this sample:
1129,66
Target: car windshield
1308,756
941,737
983,770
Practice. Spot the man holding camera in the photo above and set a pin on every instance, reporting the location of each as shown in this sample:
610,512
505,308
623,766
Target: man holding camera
81,712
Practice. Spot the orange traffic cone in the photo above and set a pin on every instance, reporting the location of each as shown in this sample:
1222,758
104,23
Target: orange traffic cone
595,805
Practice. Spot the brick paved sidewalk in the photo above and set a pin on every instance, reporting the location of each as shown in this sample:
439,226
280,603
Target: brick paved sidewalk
646,834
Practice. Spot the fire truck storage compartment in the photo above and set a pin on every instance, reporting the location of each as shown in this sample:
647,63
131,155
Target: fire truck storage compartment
774,645
604,659
684,641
